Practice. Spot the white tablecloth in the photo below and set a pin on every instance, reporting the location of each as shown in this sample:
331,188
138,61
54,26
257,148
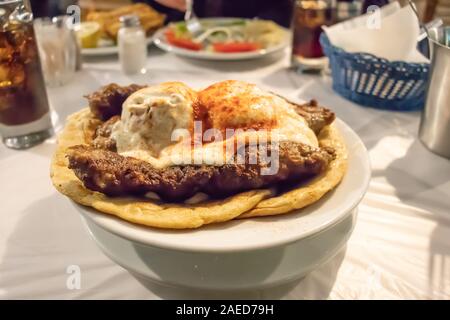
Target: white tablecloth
400,247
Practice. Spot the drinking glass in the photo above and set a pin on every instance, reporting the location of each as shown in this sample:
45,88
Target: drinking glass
57,48
24,109
309,17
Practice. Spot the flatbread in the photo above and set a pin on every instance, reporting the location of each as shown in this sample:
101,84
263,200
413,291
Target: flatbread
305,195
79,129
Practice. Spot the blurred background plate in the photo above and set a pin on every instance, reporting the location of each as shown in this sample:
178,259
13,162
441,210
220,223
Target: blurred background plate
160,41
101,51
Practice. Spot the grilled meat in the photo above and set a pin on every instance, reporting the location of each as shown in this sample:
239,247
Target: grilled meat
102,138
316,116
110,173
107,101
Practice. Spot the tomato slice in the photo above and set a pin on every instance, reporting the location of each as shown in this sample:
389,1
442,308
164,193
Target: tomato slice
181,42
235,47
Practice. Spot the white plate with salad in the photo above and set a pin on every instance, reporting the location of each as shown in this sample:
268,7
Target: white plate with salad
224,39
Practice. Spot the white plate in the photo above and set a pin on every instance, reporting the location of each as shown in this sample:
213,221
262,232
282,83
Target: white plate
258,233
160,41
102,51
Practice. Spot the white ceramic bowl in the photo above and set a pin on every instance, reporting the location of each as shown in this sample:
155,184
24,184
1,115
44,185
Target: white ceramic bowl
240,254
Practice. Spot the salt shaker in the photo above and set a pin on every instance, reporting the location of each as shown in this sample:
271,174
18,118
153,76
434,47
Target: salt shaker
132,45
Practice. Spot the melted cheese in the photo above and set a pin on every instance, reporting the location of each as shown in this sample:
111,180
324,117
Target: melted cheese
237,104
151,115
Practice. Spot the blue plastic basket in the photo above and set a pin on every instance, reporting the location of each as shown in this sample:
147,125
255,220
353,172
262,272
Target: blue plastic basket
371,81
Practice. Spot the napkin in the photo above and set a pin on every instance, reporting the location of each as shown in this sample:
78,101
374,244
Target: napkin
394,38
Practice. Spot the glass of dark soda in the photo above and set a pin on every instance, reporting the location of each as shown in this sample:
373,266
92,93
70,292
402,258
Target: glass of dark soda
24,109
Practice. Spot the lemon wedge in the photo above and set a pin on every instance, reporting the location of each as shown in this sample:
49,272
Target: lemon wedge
88,34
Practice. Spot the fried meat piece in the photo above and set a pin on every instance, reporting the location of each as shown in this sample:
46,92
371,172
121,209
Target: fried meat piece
107,101
115,175
102,138
316,116
109,21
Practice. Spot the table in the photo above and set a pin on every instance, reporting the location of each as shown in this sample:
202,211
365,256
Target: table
400,247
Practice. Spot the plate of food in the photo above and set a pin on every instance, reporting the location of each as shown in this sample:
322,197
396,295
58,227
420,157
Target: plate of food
168,175
224,39
97,34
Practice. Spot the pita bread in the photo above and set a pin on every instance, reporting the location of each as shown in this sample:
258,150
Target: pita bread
80,128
